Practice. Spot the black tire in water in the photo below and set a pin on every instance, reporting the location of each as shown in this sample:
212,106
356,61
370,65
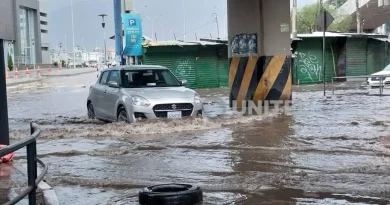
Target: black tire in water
91,111
171,194
122,115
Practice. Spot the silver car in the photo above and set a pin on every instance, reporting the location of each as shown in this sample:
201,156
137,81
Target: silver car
129,93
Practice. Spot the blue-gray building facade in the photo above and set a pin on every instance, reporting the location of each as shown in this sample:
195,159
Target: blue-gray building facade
20,29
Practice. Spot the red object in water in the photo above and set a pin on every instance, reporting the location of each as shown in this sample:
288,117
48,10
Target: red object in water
6,158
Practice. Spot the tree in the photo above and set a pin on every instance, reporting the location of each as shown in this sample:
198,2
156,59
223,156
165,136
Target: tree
10,63
336,3
307,19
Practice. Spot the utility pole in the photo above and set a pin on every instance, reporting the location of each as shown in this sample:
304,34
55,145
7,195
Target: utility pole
4,126
358,20
118,30
216,20
294,19
185,21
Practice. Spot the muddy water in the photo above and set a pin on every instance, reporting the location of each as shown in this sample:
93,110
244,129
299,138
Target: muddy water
326,151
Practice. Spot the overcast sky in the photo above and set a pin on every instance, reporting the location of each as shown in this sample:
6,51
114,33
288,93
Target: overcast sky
169,14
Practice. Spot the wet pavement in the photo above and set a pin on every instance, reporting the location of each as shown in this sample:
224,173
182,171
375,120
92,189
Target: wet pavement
333,150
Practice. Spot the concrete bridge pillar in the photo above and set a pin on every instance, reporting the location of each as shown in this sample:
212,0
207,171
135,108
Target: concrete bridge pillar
259,51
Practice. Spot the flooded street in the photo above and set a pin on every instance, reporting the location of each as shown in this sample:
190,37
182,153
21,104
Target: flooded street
325,151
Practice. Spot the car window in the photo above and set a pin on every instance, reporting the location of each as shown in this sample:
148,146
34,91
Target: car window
114,76
168,78
103,79
148,78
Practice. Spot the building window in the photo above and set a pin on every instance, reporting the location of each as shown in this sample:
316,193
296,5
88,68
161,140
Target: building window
43,14
45,48
43,31
27,34
43,22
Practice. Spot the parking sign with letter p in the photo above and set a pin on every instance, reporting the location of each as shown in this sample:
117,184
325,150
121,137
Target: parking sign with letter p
132,22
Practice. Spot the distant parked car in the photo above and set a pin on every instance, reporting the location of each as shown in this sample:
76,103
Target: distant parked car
129,93
92,64
374,81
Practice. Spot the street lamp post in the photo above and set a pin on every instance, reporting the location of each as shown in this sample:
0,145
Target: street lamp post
104,35
185,20
74,52
163,29
216,20
153,20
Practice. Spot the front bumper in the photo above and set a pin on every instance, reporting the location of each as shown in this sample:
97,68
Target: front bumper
155,111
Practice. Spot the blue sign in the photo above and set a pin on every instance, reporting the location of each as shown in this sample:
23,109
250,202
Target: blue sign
133,34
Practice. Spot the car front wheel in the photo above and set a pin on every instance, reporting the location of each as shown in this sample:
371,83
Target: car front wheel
122,115
91,111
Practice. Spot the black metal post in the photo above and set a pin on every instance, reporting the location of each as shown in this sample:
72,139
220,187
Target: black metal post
323,48
32,169
4,127
32,173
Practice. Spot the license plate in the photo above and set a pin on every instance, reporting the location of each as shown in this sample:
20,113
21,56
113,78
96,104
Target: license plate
174,115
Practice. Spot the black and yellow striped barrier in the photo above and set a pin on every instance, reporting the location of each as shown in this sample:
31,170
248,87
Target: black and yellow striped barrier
259,79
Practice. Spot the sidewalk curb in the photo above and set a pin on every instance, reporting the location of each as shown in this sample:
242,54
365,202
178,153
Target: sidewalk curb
24,82
66,75
49,194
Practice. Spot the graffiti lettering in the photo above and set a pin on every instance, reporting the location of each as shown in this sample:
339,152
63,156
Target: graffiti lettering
308,64
184,68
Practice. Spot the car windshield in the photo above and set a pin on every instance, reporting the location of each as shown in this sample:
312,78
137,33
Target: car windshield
148,78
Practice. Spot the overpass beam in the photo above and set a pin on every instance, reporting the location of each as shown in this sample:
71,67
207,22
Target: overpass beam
259,51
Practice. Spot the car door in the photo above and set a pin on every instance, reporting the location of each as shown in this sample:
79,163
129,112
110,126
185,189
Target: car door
100,98
112,95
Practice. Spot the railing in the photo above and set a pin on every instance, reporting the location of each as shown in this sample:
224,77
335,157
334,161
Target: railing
381,81
32,160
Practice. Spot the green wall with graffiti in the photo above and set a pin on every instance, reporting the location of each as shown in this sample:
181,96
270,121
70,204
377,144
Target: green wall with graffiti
344,56
308,67
202,67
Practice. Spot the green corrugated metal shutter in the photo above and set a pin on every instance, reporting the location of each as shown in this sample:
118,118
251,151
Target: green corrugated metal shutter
163,59
223,69
309,61
207,70
356,57
184,67
375,56
330,59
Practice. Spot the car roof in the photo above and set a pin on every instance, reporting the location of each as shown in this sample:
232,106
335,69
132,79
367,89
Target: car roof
137,67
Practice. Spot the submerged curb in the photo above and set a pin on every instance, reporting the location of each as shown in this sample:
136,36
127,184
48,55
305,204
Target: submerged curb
70,74
49,194
24,82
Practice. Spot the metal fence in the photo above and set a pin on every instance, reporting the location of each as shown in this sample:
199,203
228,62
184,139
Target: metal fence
22,60
381,85
31,144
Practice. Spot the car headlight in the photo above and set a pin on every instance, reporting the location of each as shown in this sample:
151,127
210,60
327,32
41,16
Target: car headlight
140,101
197,99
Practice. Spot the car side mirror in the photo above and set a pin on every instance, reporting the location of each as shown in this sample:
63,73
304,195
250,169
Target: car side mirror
183,82
113,84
